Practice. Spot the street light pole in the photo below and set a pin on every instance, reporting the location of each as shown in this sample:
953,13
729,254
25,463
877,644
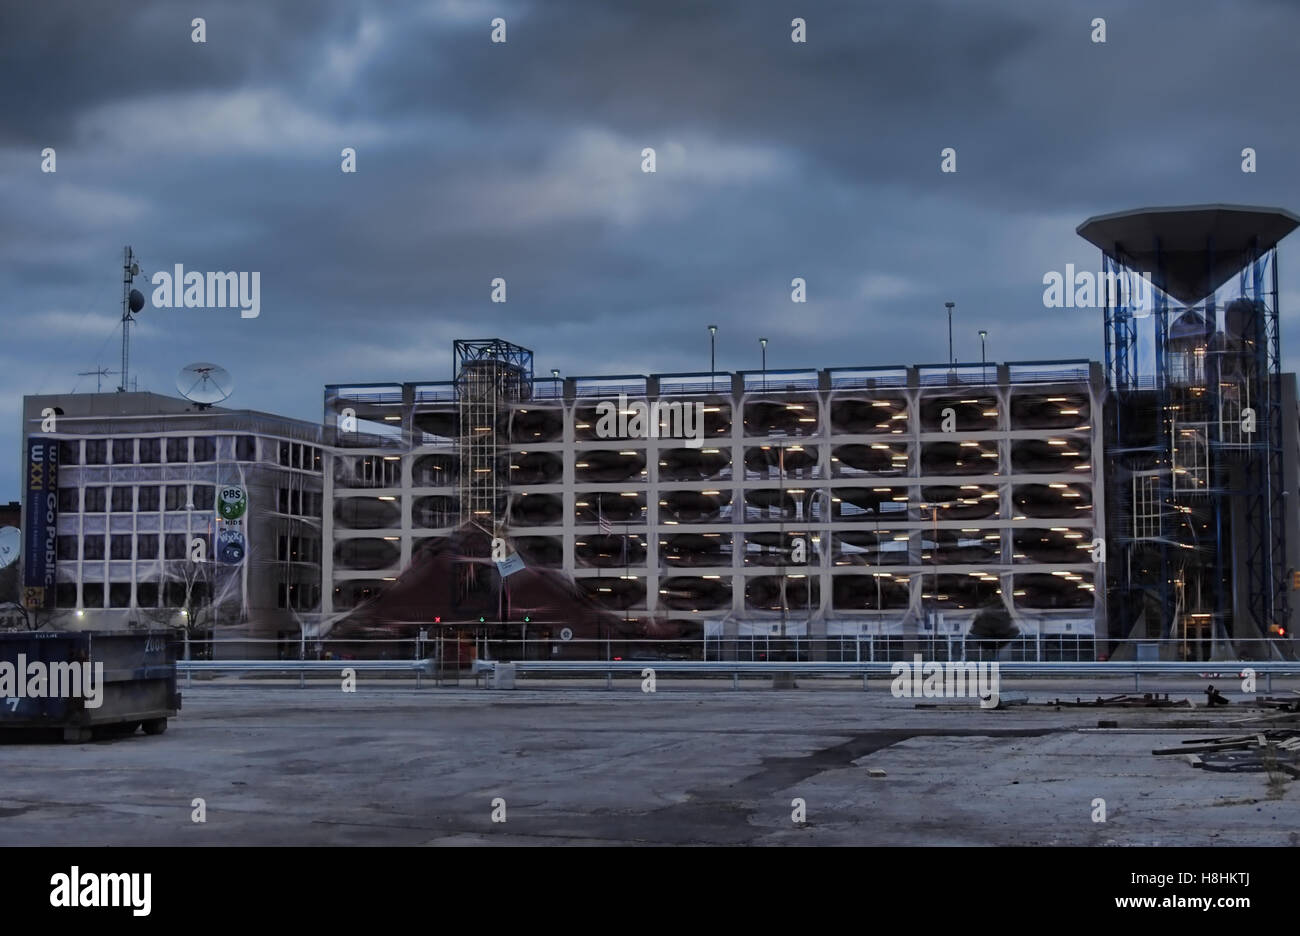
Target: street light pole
949,307
763,342
983,357
713,367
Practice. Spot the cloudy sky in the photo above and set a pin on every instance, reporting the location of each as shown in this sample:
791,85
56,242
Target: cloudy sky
523,160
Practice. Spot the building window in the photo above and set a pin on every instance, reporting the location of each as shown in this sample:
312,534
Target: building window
67,547
298,597
146,546
147,499
92,547
70,452
119,546
119,595
245,448
69,500
121,499
176,496
150,451
178,450
146,594
65,595
205,449
205,497
95,500
124,451
96,451
174,546
297,549
174,594
92,594
1146,507
283,454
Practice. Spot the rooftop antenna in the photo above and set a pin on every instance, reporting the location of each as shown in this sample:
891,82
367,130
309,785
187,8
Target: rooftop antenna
132,302
99,373
204,384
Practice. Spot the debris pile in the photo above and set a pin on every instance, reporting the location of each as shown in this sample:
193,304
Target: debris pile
1274,751
1146,700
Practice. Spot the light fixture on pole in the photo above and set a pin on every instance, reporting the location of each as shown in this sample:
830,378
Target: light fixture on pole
713,369
983,358
949,307
763,342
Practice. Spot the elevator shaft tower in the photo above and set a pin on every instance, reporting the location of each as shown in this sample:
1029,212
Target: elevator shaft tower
1198,502
490,374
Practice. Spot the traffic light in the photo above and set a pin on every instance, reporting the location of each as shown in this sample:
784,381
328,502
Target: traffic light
482,619
527,619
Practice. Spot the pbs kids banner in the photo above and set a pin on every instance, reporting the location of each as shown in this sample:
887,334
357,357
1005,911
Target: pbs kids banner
231,514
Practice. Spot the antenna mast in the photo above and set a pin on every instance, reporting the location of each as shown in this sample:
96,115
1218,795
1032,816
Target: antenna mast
132,302
98,373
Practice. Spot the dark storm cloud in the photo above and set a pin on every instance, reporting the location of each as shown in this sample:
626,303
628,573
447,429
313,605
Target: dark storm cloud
523,161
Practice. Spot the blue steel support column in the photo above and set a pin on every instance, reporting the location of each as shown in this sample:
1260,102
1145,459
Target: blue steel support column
1281,571
1164,486
1218,473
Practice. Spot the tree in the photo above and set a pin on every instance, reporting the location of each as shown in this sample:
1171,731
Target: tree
197,610
14,616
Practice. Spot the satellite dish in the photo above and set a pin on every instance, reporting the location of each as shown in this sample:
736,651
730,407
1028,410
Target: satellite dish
204,384
11,544
136,301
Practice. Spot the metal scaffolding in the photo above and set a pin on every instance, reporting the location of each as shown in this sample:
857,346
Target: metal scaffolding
490,374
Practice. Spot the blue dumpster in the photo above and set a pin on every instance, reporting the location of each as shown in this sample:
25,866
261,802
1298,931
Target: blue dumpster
88,683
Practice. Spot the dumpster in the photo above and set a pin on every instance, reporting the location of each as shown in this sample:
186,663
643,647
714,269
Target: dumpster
88,684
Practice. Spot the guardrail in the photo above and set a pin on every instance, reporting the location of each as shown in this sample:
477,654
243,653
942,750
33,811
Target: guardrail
302,667
737,668
544,641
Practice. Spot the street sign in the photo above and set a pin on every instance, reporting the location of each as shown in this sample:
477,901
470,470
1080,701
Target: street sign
510,565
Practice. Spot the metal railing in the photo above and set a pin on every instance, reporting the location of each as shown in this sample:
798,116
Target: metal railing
419,668
470,651
758,640
737,668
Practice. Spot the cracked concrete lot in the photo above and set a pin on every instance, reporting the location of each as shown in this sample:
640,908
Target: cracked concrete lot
690,764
